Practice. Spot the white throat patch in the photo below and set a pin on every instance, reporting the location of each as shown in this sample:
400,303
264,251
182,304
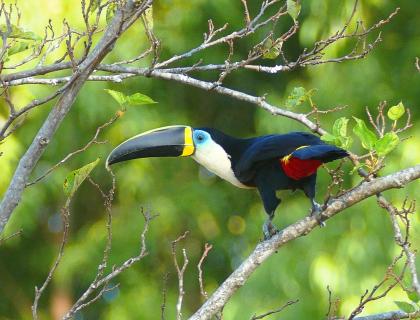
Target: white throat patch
212,156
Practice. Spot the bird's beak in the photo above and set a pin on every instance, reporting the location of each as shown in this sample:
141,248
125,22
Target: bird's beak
173,141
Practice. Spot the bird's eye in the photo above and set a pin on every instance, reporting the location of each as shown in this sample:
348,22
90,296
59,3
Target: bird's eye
200,137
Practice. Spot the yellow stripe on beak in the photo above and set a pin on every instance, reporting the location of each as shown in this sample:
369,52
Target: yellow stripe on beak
188,143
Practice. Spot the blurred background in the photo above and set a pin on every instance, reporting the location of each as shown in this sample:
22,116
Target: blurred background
350,255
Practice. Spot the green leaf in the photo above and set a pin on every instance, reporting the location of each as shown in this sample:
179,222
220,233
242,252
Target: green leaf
366,136
75,178
405,306
328,137
19,33
94,4
386,144
413,296
17,47
118,96
342,142
110,11
396,112
139,99
345,142
293,8
133,100
296,97
340,127
271,49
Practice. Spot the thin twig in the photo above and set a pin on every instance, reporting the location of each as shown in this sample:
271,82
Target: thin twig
65,213
164,293
92,141
373,295
289,303
14,234
207,248
180,271
102,281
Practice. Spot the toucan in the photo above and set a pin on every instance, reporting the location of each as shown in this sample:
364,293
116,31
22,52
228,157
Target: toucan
267,163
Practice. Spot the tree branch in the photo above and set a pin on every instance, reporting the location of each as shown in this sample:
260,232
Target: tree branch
392,315
302,227
121,21
211,86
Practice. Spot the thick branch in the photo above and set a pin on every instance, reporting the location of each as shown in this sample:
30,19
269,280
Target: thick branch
119,24
302,227
392,315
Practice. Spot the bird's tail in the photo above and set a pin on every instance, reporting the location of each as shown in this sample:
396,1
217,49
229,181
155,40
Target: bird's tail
322,152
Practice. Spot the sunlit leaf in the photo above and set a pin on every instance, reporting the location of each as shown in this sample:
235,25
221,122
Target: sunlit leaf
387,143
413,296
132,100
75,178
139,99
94,4
296,97
405,306
118,96
340,127
328,137
271,49
396,112
19,33
18,47
339,141
345,142
366,136
293,8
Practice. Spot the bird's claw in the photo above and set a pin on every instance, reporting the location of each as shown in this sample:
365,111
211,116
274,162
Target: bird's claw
269,229
316,212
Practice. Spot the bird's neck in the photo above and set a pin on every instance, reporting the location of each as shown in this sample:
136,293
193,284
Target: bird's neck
220,156
233,146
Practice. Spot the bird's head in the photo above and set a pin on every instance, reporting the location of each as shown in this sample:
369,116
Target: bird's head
172,141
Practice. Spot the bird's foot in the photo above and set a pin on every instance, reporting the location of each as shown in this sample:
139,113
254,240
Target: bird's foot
269,229
316,212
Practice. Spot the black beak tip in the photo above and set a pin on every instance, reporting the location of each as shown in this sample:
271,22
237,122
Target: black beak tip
161,142
111,160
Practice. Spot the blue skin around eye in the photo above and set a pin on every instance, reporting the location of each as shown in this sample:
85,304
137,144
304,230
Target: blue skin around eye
200,133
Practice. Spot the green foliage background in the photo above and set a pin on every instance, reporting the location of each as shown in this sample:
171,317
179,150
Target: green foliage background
350,255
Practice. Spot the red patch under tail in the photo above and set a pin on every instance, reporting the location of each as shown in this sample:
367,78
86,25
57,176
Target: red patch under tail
296,168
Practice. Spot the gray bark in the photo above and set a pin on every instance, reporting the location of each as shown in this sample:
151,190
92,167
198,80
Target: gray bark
121,21
302,227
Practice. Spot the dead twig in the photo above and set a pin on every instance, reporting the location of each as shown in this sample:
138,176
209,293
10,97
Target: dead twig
289,303
65,213
373,295
207,248
103,280
14,234
180,271
164,293
92,141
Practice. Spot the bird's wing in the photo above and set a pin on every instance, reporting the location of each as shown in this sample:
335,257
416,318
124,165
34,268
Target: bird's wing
323,152
271,147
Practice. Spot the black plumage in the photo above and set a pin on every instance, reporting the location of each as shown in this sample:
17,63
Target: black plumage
267,163
256,163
